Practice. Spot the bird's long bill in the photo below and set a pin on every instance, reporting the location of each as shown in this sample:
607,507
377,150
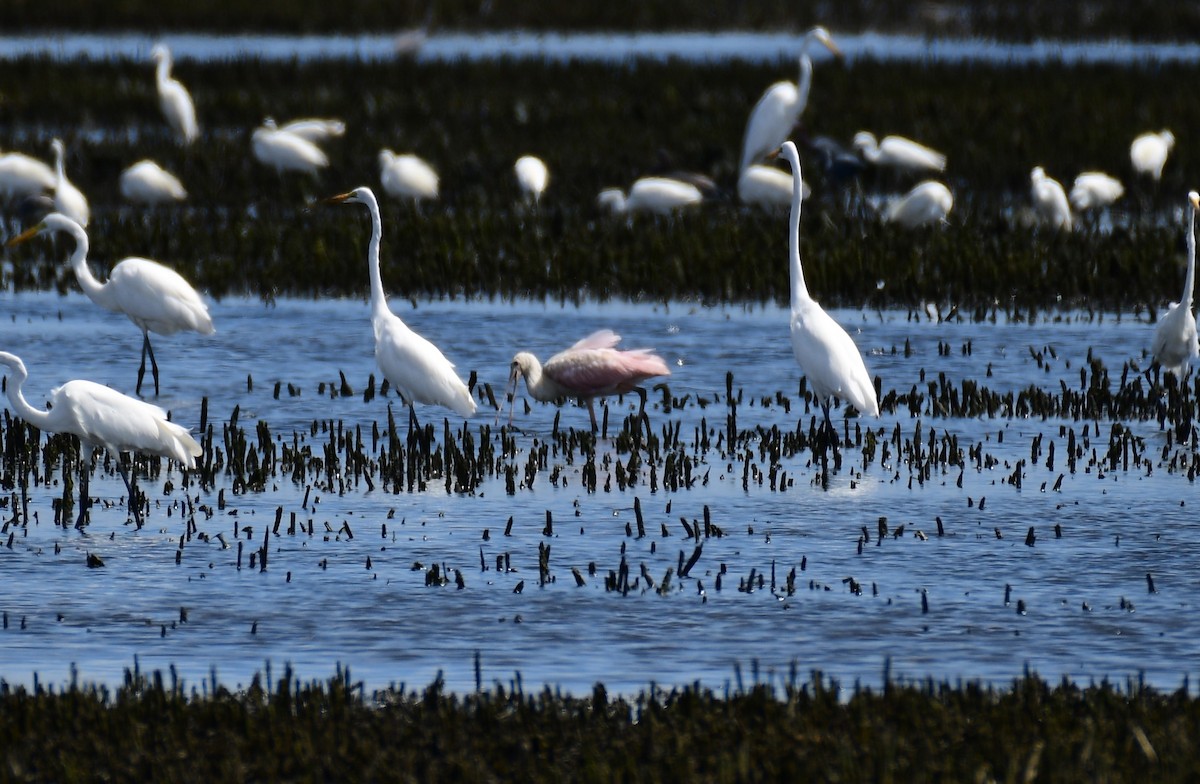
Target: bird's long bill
341,197
511,392
25,236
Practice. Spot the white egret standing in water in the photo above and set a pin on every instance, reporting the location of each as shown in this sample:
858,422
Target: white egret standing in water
155,298
1149,152
928,203
173,98
67,198
407,177
145,182
532,177
101,416
1175,336
658,195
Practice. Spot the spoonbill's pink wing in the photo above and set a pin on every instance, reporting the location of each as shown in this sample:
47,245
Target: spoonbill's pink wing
604,338
592,372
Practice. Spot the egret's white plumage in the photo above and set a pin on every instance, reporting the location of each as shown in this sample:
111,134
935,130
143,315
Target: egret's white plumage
102,417
67,198
593,367
1149,153
1049,200
825,352
1175,336
145,182
532,177
658,195
407,176
284,151
779,109
1094,190
155,298
766,186
315,129
899,153
173,98
928,203
416,369
21,176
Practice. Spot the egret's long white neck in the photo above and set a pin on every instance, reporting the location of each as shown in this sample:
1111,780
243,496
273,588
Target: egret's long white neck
60,169
16,398
378,298
95,290
800,295
804,82
162,73
1189,280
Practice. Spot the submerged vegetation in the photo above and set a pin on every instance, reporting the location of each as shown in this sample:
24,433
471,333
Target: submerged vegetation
148,729
243,229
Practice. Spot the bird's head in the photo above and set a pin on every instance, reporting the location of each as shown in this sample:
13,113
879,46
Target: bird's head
821,35
160,52
57,146
50,224
386,157
1194,200
360,195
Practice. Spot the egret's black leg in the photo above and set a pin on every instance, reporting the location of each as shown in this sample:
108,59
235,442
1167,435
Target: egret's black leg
85,498
153,363
135,508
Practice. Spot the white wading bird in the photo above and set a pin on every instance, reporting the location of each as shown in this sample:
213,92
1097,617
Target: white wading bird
173,98
825,352
155,298
1175,336
102,417
67,198
145,182
407,177
418,371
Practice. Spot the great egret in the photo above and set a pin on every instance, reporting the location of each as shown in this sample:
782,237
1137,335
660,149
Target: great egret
825,352
418,371
314,129
286,151
1175,336
67,198
928,203
155,298
898,153
173,98
532,177
145,182
407,176
21,176
659,195
1149,153
1094,190
103,417
779,109
765,186
593,367
1049,200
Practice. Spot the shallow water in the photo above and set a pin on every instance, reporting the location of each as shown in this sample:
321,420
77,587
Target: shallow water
319,603
611,47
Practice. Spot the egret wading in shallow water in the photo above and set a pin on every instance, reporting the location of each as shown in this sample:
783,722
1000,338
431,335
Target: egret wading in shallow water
418,371
314,129
67,198
1149,152
155,298
593,367
778,110
284,151
898,153
926,204
103,417
1175,336
145,182
407,177
825,352
1094,190
532,177
173,98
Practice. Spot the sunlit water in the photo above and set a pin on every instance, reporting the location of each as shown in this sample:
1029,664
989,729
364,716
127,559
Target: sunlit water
388,626
605,47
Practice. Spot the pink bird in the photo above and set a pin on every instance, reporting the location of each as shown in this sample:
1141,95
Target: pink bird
591,368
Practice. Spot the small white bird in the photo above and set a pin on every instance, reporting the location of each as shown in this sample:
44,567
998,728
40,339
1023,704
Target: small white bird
1093,190
67,198
928,203
593,367
21,176
532,177
102,417
285,151
173,98
418,371
407,177
145,182
1175,341
1049,200
899,153
658,195
824,350
765,186
1149,153
314,129
155,298
778,110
